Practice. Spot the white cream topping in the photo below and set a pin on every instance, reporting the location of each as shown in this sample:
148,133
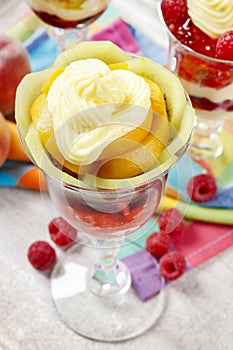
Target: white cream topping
213,17
214,95
216,114
85,9
92,105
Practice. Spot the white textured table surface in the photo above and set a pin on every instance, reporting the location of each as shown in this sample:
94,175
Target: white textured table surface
198,315
199,311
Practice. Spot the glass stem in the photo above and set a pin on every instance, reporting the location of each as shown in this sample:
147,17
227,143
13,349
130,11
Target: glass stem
106,269
66,38
206,142
109,277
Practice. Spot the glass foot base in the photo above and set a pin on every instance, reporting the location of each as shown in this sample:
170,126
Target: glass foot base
118,283
114,318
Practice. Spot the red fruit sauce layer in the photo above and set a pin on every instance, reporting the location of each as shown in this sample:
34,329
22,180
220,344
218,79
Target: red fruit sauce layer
95,217
207,105
55,21
205,74
138,211
101,219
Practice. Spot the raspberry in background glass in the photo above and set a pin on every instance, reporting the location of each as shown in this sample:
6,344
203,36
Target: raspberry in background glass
201,55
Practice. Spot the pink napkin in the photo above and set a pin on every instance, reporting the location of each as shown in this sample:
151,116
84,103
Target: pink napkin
119,33
202,241
199,242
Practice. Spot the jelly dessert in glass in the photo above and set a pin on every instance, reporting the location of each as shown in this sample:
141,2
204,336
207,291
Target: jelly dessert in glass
68,20
105,127
201,55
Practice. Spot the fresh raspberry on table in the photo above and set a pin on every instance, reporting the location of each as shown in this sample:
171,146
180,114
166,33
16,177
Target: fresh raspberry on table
202,188
41,255
171,222
61,232
172,265
224,46
174,11
158,244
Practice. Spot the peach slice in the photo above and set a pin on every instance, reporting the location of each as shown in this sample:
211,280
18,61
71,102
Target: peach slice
142,157
140,133
42,120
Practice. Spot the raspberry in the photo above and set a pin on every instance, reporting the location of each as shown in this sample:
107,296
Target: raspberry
172,265
224,46
202,188
158,244
41,255
183,32
202,43
174,11
171,222
61,232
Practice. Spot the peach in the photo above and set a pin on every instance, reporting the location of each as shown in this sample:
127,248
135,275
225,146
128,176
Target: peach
5,139
16,152
14,65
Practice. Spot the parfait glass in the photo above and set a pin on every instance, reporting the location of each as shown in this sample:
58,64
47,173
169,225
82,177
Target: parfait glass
68,20
209,83
90,287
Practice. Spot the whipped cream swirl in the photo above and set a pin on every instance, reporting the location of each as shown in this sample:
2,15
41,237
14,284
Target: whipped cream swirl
213,17
92,105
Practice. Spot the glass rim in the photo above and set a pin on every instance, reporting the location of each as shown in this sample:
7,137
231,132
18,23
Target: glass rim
187,48
113,185
124,189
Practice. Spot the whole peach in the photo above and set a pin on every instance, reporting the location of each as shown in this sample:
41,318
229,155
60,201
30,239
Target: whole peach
14,65
5,139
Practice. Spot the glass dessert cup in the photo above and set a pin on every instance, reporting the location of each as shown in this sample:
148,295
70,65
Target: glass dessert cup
68,21
210,89
90,287
209,83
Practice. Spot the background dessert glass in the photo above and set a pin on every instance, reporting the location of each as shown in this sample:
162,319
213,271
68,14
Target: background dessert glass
68,20
209,83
